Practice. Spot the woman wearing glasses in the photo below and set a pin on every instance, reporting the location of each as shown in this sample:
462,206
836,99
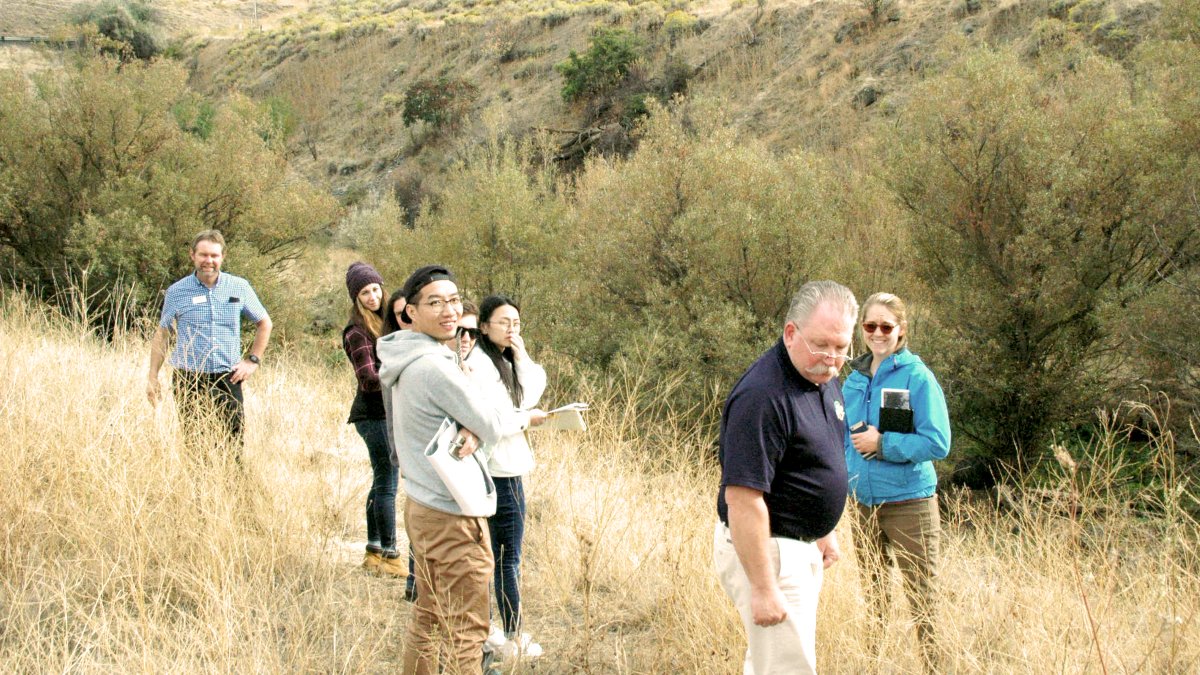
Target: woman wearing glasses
366,325
898,424
504,371
468,334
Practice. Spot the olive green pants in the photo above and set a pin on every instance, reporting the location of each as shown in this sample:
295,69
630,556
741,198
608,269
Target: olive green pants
909,532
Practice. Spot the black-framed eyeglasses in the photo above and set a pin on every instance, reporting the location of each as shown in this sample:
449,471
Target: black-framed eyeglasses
436,304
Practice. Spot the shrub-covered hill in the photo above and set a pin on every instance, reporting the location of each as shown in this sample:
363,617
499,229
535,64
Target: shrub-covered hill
1018,169
1023,173
790,73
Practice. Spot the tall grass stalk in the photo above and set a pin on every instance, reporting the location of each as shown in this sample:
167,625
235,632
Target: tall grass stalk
125,553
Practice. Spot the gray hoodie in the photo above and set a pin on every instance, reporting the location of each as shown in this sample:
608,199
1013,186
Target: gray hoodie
421,387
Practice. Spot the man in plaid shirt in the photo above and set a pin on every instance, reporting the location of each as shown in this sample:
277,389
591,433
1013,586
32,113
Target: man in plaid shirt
206,308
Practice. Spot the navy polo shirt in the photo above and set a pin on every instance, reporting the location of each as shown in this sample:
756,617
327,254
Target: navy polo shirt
783,435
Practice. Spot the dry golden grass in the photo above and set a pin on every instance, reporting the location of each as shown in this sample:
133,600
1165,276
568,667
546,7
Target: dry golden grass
122,553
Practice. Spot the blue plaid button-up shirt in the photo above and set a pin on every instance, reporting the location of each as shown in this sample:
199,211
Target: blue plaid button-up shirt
208,321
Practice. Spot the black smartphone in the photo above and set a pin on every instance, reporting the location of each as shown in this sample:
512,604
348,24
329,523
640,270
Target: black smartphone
858,428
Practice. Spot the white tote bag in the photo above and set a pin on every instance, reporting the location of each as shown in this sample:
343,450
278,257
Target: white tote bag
467,478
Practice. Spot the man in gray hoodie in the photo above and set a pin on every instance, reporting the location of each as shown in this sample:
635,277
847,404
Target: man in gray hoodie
453,555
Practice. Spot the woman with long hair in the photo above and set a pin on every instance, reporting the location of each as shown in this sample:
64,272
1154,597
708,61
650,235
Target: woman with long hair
898,425
503,370
394,318
367,415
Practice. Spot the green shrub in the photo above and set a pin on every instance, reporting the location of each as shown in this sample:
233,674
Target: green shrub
1039,203
127,22
679,24
602,67
438,102
195,115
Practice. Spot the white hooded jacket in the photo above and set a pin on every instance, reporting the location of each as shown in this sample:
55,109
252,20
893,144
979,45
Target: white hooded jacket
511,455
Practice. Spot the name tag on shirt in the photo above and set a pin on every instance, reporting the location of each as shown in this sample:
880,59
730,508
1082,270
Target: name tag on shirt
199,299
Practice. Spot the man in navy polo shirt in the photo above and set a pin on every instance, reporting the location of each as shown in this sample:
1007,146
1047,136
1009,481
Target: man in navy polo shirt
783,480
207,308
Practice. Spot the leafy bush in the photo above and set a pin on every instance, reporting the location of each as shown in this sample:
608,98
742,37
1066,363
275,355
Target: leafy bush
99,176
1040,204
438,102
679,24
127,22
607,61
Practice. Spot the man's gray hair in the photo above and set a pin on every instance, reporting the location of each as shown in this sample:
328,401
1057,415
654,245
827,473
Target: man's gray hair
812,294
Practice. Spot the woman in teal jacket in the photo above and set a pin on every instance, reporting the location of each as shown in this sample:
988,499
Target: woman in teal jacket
896,414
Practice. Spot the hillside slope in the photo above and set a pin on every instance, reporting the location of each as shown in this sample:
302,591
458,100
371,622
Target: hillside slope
791,72
176,17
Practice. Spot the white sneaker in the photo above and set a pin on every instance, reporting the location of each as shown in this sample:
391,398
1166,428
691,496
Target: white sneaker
496,639
524,646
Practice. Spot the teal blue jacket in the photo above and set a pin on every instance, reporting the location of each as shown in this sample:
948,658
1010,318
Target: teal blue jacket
904,467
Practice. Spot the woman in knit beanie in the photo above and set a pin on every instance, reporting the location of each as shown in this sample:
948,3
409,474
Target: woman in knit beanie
367,415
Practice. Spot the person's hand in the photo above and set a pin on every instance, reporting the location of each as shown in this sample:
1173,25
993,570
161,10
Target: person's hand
867,443
828,546
153,390
537,417
518,347
242,370
467,443
767,606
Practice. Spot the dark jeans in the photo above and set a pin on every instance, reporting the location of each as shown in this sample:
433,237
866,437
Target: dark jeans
508,531
410,584
205,400
381,499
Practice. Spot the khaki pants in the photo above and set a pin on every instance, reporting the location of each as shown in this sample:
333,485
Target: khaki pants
911,533
449,623
788,648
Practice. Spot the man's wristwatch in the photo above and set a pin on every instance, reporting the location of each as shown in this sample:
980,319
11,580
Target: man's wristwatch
253,359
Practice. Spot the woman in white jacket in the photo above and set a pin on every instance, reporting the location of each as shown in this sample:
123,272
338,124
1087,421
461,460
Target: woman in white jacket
502,369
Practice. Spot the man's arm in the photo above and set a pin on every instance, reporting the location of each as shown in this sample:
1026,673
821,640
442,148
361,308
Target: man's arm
750,528
245,368
158,353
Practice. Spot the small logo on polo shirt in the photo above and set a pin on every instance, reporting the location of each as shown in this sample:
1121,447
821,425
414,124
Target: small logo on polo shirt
840,410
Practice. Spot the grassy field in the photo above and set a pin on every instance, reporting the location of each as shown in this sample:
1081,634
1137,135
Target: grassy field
125,552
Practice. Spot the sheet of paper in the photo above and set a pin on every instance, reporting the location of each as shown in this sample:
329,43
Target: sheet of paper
569,420
569,406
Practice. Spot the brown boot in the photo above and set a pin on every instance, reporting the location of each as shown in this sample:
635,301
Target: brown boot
372,561
392,567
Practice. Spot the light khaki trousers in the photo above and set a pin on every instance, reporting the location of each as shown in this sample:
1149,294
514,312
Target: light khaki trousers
453,564
788,648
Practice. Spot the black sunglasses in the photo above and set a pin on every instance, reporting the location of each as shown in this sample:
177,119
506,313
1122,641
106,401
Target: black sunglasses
884,328
473,332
